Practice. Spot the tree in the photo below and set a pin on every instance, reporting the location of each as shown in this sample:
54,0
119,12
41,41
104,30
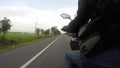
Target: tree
47,31
5,24
55,31
4,27
37,31
42,31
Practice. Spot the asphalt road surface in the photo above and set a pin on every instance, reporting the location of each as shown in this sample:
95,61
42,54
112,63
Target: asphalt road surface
45,54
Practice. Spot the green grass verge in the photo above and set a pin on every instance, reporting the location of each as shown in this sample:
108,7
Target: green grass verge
21,40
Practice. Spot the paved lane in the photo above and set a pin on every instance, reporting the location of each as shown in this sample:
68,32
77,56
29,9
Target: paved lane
53,57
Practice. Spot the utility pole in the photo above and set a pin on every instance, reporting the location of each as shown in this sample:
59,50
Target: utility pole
35,25
50,32
0,25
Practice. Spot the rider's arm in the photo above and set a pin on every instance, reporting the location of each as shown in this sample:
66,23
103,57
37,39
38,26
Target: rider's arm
85,8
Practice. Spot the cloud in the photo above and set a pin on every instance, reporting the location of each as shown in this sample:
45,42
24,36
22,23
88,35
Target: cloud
23,18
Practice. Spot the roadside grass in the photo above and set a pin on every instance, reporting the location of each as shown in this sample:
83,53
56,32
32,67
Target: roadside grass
17,40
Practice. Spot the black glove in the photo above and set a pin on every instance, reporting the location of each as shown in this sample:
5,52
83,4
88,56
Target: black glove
65,28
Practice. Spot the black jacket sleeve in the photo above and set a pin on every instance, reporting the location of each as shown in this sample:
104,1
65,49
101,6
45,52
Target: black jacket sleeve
85,8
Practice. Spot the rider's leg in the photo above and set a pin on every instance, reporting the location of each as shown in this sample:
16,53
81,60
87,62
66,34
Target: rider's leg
72,58
107,59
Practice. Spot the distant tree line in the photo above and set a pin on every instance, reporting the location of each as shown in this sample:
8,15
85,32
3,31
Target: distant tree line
52,31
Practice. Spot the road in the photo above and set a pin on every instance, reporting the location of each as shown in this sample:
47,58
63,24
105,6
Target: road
45,54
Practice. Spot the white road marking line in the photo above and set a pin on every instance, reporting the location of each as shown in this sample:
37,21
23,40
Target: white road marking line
32,59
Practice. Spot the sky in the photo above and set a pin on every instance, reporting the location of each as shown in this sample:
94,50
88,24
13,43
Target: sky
24,14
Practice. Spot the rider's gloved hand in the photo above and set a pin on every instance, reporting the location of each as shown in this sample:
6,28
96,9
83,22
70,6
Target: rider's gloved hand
65,28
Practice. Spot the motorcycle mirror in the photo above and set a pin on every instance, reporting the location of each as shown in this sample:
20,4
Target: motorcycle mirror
65,16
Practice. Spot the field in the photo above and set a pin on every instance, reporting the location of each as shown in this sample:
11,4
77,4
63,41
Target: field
15,40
